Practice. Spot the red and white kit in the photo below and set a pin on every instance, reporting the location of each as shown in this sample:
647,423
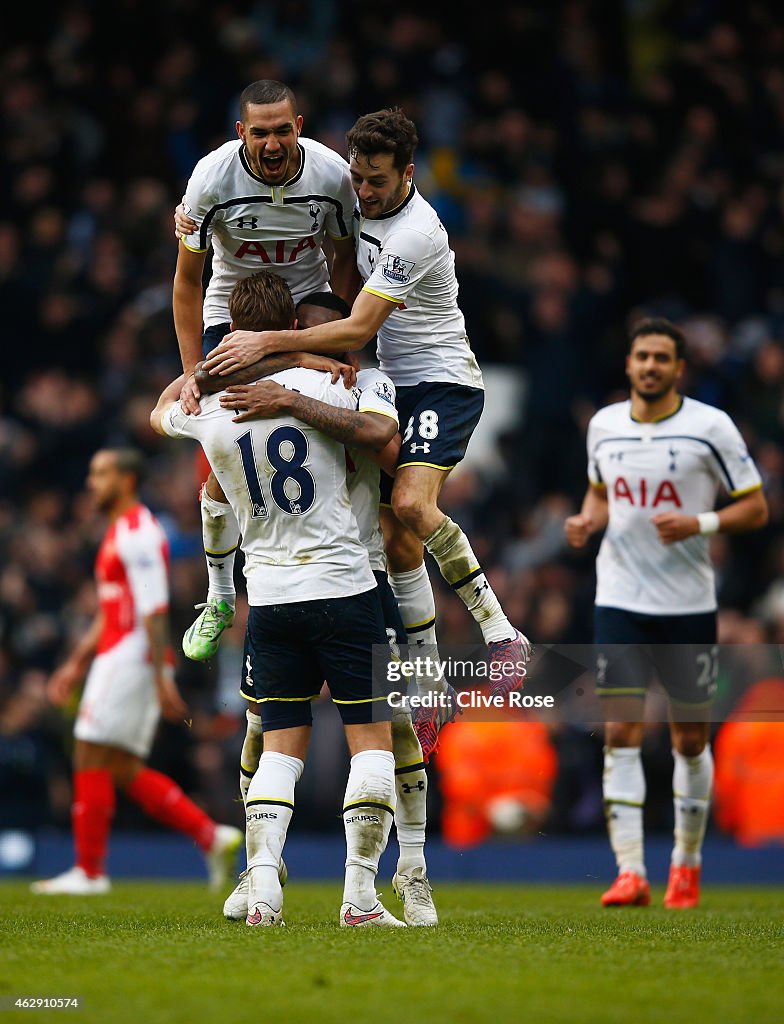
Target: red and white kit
119,706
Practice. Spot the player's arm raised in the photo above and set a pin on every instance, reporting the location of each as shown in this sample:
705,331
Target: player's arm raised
592,517
260,401
748,512
187,307
240,348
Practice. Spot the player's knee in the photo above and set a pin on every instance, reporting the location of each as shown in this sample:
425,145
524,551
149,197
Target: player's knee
690,741
622,734
410,510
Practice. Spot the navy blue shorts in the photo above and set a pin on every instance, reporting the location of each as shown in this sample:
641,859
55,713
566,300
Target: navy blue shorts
213,336
436,424
680,649
291,649
393,627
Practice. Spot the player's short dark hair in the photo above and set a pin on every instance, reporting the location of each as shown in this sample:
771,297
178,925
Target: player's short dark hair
262,302
659,325
385,131
327,300
264,92
129,460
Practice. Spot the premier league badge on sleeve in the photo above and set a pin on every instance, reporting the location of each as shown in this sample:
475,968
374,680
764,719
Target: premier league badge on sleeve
384,391
397,269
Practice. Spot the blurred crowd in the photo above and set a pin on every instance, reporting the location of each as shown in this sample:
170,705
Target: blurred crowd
592,161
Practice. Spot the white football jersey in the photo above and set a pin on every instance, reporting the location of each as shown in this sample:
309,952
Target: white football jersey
286,482
253,226
376,394
404,256
676,464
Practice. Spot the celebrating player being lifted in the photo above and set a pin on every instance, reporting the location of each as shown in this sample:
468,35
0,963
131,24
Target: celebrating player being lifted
410,300
367,436
267,201
314,615
655,464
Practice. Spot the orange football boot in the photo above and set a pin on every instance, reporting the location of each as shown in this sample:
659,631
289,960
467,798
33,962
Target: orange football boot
683,888
628,890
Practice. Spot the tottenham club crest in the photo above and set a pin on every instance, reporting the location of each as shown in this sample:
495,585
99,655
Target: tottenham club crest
397,269
314,212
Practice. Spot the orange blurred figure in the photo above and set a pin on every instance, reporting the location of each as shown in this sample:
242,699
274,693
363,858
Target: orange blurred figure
495,777
749,780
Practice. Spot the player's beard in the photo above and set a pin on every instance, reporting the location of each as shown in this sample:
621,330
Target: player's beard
388,204
653,396
106,502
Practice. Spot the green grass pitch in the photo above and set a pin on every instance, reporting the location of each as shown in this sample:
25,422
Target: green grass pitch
151,953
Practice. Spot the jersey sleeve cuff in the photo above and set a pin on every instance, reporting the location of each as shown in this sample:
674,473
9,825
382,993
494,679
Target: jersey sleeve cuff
745,490
381,295
379,412
191,248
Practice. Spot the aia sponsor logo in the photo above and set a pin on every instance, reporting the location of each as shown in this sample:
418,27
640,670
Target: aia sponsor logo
275,252
646,495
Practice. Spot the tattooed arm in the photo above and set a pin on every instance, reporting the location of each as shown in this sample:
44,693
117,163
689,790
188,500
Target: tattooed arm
266,399
278,361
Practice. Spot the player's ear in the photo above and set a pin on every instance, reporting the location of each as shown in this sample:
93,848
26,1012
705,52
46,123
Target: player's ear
231,326
298,124
295,325
408,173
240,128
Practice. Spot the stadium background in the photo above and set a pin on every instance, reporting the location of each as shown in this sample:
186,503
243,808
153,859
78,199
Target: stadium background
591,161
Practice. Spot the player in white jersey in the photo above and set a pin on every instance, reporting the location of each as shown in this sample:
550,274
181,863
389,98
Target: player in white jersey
655,466
409,300
267,200
367,435
314,615
130,682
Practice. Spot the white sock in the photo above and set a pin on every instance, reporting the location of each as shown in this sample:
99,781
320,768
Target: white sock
460,568
692,781
221,535
623,788
414,595
368,809
411,789
251,752
268,810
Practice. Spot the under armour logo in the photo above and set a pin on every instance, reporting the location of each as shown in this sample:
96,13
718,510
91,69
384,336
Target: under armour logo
247,222
408,788
214,565
424,447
